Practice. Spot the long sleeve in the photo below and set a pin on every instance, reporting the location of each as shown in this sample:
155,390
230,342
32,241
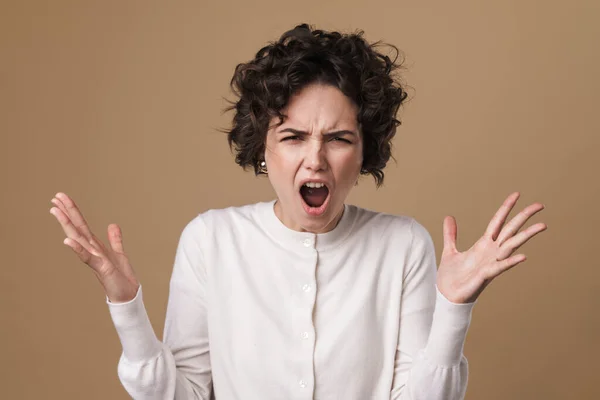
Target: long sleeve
179,367
429,364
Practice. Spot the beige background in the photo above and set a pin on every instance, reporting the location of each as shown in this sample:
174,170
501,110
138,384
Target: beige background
117,103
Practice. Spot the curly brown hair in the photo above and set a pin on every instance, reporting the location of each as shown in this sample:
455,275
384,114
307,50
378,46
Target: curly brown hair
303,56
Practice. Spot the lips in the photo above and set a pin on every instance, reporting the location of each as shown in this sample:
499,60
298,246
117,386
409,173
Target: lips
315,200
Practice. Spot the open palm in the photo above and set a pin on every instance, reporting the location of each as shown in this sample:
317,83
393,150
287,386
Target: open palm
462,276
110,264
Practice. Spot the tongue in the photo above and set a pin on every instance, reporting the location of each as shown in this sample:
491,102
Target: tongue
314,197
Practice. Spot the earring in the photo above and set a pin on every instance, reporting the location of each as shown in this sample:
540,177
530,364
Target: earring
263,167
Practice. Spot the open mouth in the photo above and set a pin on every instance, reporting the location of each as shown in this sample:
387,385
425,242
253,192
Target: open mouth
315,197
314,194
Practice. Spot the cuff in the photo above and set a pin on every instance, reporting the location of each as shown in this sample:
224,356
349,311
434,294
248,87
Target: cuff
448,330
134,329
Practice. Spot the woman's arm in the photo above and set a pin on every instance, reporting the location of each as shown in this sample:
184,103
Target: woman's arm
429,363
179,367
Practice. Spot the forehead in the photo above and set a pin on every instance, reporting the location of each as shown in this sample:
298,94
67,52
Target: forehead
320,107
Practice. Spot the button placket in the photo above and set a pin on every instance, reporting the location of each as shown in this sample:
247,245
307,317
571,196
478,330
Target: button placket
305,300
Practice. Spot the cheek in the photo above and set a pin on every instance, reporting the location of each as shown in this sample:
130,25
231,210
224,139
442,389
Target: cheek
283,163
350,163
282,169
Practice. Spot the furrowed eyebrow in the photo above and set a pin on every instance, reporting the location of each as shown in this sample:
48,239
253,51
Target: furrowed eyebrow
329,134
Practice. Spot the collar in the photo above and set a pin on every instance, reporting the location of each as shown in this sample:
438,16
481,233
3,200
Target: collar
304,241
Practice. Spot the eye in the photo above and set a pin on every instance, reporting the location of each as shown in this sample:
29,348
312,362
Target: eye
292,138
339,139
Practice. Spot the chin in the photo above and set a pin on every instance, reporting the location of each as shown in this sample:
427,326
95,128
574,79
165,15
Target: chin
318,219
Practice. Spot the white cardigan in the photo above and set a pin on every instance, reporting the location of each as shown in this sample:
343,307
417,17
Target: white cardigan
259,311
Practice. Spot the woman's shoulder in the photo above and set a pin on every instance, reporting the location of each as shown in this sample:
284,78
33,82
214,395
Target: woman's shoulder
388,223
379,219
233,216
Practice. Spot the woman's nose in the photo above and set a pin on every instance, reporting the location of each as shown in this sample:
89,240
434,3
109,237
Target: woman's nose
315,158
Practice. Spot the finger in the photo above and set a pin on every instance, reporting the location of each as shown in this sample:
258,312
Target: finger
517,222
86,254
82,226
521,238
71,209
60,205
450,230
115,238
95,248
500,267
499,218
70,230
90,257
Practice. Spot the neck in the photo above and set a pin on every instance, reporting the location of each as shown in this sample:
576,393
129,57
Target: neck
290,223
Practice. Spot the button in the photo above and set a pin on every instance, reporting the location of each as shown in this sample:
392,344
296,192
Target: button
307,242
306,287
302,383
304,335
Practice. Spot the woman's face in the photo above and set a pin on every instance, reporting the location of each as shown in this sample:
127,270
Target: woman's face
320,143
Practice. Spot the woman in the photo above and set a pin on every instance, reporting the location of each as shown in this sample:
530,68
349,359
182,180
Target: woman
305,296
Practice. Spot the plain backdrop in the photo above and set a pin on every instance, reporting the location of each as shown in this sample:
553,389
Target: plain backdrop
118,104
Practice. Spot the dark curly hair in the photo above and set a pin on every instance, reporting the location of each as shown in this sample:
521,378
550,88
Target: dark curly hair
303,56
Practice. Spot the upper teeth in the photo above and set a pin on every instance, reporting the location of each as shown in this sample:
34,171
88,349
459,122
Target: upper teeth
314,184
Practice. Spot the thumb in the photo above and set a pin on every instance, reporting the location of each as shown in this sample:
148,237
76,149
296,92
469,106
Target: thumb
450,230
115,238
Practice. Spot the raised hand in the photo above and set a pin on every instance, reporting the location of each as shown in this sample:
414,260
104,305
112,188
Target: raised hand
110,265
462,276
